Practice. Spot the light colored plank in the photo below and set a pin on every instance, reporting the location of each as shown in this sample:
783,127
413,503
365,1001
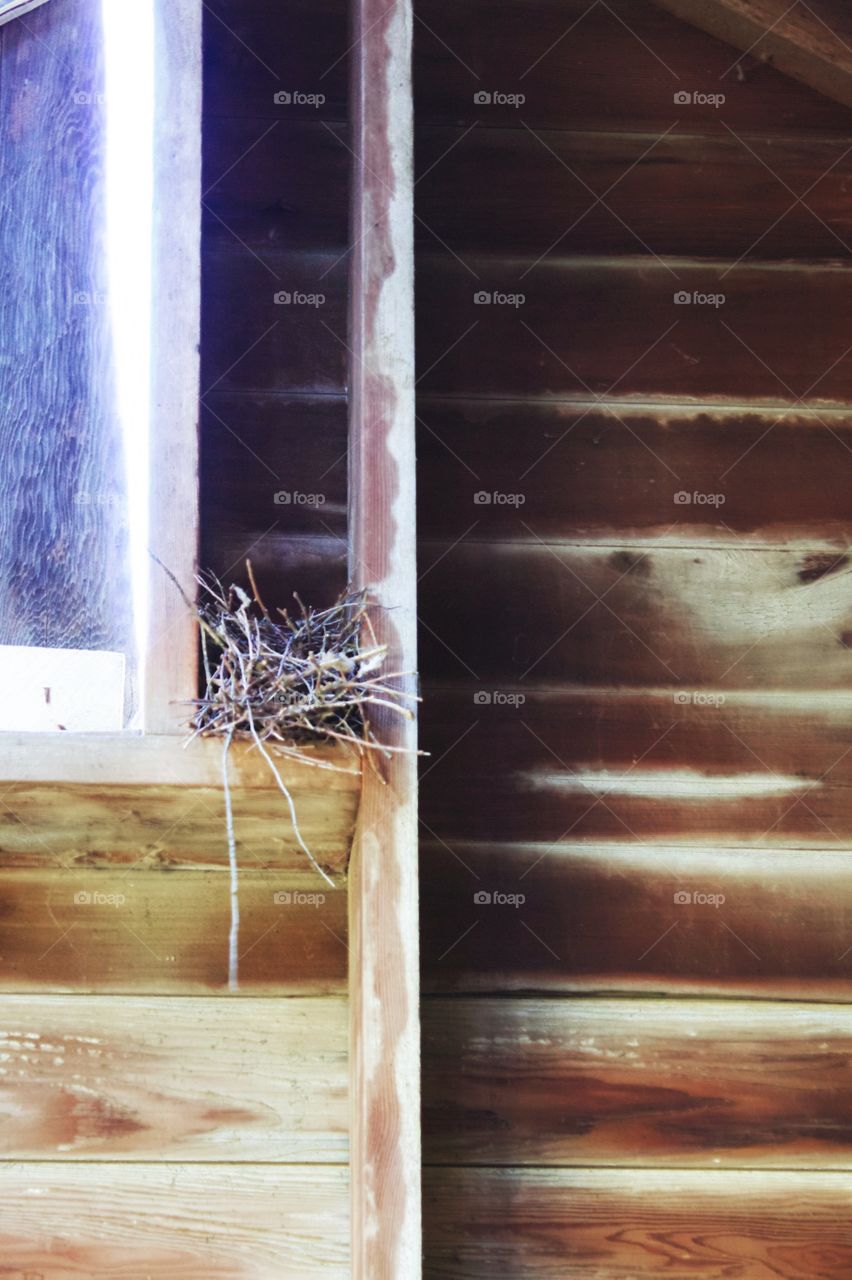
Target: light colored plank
97,1078
171,658
166,932
637,1082
500,1224
384,977
174,1222
810,42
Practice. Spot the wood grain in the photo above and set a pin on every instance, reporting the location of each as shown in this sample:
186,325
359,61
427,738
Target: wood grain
383,975
762,770
614,193
164,1222
150,932
107,1079
607,474
552,1224
808,42
613,66
611,327
639,615
64,574
624,916
636,1082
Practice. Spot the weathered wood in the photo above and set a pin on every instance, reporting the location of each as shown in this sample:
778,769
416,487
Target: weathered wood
604,66
171,652
311,565
591,472
647,917
199,1080
384,1028
252,343
611,327
92,800
197,1222
487,1224
640,615
635,1082
656,194
250,54
764,770
810,42
64,573
163,933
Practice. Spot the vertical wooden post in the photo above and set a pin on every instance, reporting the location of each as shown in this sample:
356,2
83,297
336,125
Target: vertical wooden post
176,304
384,981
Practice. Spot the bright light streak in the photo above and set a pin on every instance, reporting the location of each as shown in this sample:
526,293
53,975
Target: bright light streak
129,90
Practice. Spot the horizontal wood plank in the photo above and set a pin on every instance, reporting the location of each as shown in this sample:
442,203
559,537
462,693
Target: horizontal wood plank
637,615
162,932
98,1078
590,192
674,767
589,472
59,1222
637,918
552,1224
612,327
636,1082
603,66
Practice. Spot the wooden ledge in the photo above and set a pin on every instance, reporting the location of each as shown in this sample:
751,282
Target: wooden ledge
90,799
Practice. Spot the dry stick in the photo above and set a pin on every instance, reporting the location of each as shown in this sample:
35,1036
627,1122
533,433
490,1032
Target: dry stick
233,945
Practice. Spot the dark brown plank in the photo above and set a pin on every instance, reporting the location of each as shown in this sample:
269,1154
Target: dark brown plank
557,1224
621,765
763,923
600,66
713,619
64,576
159,932
613,328
278,182
255,49
267,458
312,566
655,194
250,342
588,472
631,1082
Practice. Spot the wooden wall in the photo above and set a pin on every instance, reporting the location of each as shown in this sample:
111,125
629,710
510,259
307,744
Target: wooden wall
151,1122
638,1048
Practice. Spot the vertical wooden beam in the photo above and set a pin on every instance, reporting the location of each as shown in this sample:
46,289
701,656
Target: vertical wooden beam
172,648
385,1037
